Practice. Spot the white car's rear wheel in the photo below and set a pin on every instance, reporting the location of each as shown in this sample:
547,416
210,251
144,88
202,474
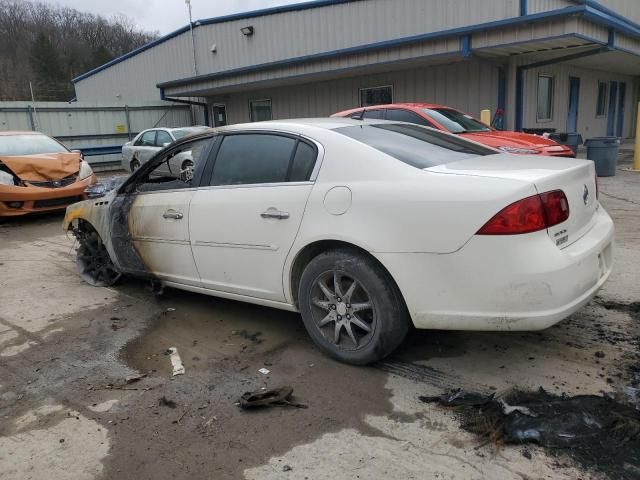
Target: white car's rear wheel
351,308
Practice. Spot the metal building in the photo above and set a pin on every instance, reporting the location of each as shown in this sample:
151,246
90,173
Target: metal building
572,65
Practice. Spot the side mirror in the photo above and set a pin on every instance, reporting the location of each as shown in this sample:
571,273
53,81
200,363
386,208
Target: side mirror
166,144
78,152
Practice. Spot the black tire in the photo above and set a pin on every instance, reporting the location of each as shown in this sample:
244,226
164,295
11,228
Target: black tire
93,261
327,319
135,164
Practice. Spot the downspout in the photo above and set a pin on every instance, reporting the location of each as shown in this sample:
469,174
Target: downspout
187,102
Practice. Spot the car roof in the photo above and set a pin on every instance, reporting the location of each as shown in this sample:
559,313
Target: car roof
409,105
328,123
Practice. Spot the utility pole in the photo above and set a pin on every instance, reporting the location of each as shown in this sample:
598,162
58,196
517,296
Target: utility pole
193,38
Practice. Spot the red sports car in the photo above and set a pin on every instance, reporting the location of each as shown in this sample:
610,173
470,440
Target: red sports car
455,121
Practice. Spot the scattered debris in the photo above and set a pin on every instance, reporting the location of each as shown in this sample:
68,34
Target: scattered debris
287,468
264,371
165,402
598,432
277,397
134,378
176,361
599,354
457,398
252,337
171,309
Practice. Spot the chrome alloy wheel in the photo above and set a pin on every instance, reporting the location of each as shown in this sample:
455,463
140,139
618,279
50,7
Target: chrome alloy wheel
342,310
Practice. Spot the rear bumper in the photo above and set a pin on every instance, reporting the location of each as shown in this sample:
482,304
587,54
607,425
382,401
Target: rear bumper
38,199
504,283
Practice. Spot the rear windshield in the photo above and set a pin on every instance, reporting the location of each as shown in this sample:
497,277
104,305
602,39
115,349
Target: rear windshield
417,146
455,121
183,132
18,145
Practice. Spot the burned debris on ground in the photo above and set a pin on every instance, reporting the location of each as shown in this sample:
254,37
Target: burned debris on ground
598,432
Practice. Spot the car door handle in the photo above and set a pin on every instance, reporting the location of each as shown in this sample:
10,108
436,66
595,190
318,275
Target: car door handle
274,213
172,214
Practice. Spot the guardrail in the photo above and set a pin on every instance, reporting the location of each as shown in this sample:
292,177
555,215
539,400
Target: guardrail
100,150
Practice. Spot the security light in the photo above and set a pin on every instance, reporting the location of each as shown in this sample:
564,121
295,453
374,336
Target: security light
248,31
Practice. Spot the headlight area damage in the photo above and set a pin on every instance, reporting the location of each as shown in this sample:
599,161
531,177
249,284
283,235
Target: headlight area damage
105,246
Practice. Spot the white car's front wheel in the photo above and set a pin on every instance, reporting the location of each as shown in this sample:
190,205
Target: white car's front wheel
351,307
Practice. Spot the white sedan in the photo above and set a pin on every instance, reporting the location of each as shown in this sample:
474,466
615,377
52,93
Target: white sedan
149,142
362,227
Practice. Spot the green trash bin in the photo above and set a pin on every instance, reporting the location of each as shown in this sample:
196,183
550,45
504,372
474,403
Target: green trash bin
604,153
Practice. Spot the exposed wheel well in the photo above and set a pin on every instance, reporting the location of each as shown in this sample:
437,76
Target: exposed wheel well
314,249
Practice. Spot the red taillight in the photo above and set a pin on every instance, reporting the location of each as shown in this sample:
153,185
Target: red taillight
529,215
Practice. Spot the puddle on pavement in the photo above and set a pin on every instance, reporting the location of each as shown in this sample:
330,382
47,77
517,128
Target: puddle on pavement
206,329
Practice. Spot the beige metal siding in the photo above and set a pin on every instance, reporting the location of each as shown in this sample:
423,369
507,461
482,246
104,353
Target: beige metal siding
629,44
380,60
282,36
628,8
470,86
588,124
306,32
537,6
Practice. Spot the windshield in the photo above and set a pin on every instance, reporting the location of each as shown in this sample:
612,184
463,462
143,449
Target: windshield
183,132
415,145
29,144
455,121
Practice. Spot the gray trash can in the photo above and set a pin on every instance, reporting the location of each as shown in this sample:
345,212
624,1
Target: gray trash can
571,140
604,153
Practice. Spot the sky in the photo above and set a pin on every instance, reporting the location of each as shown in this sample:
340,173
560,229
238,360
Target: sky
168,15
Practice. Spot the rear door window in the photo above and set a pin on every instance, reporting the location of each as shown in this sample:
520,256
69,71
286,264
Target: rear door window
245,159
303,162
399,115
163,137
415,145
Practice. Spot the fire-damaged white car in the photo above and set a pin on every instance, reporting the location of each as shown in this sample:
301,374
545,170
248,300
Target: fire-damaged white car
362,227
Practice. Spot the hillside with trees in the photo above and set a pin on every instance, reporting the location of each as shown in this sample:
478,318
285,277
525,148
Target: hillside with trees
48,45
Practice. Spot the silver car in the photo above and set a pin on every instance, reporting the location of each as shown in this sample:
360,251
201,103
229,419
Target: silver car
151,141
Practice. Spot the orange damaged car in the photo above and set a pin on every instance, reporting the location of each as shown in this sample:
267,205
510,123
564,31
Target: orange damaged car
39,174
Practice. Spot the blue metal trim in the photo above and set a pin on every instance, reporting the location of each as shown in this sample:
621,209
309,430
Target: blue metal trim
357,68
598,6
611,42
524,8
622,96
519,99
379,45
605,19
294,7
187,102
465,42
502,89
611,112
100,150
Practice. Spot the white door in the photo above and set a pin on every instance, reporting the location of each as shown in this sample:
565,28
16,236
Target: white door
156,223
243,225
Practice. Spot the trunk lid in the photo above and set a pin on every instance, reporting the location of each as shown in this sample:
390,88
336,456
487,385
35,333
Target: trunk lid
576,178
43,167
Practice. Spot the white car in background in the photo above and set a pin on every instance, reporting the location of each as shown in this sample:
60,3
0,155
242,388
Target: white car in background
364,227
149,142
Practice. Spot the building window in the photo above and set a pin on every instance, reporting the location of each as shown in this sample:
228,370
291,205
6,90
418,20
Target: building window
260,110
545,97
601,107
376,96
